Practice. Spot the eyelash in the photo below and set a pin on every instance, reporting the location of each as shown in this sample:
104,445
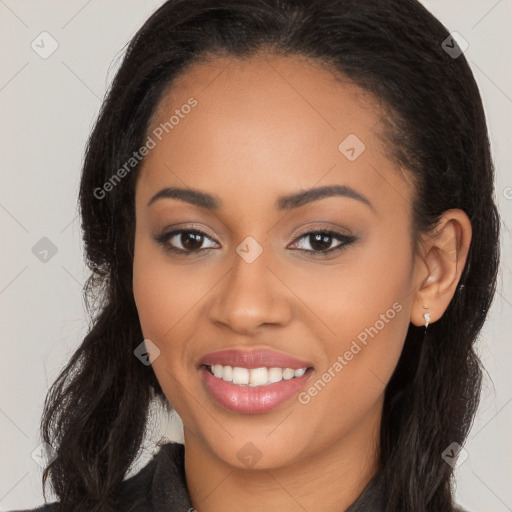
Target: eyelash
345,240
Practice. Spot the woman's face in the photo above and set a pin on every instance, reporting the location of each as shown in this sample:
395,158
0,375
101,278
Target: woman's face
249,137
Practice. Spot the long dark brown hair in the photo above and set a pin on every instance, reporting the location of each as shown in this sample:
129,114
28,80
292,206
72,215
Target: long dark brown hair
96,412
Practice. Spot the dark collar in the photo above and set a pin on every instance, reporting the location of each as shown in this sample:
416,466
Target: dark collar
161,486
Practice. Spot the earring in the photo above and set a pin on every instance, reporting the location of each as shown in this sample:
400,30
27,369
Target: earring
426,316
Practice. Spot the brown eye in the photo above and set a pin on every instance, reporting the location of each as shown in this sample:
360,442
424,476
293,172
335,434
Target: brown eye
320,241
191,241
184,241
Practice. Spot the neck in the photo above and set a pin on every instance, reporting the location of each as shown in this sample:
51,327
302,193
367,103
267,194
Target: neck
330,480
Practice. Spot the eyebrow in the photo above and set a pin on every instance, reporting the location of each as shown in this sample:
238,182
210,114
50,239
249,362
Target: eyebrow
288,202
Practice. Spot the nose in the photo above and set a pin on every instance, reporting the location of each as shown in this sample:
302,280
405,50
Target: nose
250,296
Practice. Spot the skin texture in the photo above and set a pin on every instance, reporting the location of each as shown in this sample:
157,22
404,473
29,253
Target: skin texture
263,128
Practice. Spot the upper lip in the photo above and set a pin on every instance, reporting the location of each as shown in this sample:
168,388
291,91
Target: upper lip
253,359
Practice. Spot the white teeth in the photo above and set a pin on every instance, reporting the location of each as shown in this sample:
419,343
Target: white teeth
227,373
288,373
255,376
275,375
217,370
300,372
240,375
258,376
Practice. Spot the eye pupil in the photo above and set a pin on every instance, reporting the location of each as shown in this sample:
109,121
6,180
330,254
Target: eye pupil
321,241
191,241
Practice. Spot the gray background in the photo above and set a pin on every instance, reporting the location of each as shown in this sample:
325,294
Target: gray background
47,109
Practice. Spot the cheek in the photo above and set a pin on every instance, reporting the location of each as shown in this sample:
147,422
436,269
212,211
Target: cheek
360,361
149,285
365,303
371,285
153,290
163,293
168,297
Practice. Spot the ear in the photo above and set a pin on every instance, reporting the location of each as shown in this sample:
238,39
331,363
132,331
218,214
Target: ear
439,264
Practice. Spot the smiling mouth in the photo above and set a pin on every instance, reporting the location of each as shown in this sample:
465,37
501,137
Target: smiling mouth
254,377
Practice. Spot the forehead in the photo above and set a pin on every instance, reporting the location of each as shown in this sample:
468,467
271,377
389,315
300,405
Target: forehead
264,123
274,87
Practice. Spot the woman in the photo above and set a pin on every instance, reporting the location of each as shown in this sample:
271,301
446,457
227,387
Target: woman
288,213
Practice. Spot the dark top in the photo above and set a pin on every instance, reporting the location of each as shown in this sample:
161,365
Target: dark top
161,486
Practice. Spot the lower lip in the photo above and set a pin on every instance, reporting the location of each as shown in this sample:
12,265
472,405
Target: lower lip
249,399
